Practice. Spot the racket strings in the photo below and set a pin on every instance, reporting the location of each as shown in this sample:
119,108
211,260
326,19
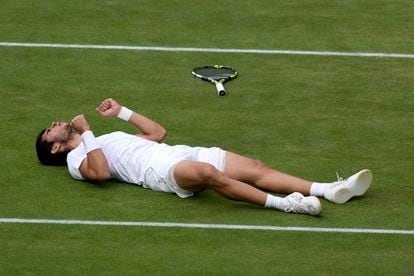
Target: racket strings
215,73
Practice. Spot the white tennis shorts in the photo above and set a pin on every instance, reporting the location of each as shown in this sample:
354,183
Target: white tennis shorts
160,177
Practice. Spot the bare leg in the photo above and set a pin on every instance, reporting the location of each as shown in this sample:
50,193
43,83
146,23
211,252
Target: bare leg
196,176
255,172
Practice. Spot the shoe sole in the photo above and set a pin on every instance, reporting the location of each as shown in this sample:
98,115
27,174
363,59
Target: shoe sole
358,187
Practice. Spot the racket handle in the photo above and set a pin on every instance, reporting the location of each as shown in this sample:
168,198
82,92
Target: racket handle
220,89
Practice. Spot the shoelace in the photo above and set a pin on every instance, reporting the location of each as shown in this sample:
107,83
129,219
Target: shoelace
294,206
338,177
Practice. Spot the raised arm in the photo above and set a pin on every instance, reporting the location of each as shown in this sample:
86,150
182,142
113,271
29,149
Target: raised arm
95,166
149,129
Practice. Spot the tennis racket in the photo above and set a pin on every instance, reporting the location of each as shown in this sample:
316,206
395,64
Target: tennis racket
215,74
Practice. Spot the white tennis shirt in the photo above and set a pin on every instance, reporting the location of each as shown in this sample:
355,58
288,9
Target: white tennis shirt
131,158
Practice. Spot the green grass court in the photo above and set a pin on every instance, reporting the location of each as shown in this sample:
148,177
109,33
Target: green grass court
307,115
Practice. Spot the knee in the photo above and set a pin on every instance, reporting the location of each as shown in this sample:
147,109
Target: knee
257,169
259,166
208,174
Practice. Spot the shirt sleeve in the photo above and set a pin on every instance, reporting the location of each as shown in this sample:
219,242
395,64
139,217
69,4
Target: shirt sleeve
74,160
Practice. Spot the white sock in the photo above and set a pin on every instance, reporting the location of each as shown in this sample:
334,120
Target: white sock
275,202
319,189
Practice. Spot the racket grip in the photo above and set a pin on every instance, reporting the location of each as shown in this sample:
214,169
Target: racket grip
220,89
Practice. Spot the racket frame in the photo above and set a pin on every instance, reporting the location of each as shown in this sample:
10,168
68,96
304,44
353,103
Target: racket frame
221,91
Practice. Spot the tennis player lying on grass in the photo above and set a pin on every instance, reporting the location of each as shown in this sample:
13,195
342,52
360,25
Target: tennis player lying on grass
141,159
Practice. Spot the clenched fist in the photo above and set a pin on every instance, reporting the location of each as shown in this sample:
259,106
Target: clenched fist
109,108
80,124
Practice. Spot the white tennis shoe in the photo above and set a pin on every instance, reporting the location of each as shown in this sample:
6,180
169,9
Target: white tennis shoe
298,203
355,185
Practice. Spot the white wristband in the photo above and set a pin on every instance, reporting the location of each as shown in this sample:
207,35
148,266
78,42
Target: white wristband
125,113
89,141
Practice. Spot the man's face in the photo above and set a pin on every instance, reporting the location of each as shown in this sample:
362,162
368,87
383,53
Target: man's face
58,132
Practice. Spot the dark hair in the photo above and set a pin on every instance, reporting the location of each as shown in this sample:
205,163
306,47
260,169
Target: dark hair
44,155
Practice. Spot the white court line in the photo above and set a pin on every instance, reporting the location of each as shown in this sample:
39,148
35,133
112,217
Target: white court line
207,226
205,50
